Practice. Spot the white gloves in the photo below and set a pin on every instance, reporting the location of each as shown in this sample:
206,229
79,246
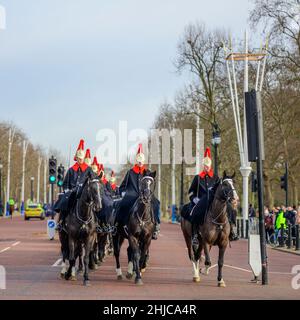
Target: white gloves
123,194
196,200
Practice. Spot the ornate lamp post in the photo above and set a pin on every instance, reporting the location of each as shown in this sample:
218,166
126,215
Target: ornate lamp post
216,140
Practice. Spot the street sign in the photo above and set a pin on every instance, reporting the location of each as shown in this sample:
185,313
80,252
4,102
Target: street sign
51,225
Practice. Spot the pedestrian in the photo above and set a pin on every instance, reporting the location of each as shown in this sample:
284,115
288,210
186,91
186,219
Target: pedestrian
11,207
298,216
251,213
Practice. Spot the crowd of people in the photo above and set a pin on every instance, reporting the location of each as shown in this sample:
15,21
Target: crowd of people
275,218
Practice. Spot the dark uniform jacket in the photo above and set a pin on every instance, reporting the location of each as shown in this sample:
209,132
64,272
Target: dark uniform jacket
75,176
130,186
105,214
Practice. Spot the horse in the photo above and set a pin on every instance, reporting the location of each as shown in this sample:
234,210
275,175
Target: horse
214,231
81,225
140,228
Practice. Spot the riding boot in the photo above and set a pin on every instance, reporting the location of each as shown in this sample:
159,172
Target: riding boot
233,236
195,240
156,231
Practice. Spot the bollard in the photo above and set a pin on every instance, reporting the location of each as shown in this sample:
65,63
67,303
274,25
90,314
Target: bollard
242,228
297,237
247,229
289,239
238,227
281,239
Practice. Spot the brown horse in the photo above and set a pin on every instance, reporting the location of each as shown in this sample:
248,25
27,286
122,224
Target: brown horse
214,231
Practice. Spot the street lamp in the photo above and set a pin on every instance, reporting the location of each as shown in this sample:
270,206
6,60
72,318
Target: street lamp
1,208
31,194
216,140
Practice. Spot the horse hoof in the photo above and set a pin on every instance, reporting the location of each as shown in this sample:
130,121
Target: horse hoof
79,271
221,284
143,270
86,283
73,278
196,279
139,282
129,275
120,277
206,271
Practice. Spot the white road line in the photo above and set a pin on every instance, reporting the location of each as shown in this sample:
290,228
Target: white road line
237,268
57,263
16,243
5,249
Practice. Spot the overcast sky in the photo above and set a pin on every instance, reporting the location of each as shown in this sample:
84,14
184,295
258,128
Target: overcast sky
92,63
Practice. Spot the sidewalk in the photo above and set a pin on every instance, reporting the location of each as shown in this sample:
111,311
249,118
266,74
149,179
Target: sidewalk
285,249
15,214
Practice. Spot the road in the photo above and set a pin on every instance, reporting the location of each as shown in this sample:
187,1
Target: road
30,258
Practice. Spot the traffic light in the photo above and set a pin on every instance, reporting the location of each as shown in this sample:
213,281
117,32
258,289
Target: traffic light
52,170
283,182
60,175
253,182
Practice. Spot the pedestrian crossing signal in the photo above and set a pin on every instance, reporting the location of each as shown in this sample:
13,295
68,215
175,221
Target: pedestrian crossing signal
283,182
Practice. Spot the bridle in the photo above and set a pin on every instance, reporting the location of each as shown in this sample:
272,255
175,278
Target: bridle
145,201
227,197
89,204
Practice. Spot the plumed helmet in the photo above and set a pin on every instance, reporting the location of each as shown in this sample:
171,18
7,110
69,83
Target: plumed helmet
140,157
207,158
80,151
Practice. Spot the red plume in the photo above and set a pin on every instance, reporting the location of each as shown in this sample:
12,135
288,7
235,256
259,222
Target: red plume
207,153
140,149
88,154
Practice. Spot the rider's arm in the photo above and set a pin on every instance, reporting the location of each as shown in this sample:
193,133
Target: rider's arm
123,185
193,189
66,183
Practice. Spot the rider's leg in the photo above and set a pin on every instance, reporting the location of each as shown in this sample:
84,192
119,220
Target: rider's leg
156,208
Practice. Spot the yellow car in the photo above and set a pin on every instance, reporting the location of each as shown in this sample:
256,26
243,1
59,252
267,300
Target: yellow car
34,211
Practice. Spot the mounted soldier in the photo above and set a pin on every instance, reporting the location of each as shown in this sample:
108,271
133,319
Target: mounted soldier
72,181
113,185
201,194
129,189
105,216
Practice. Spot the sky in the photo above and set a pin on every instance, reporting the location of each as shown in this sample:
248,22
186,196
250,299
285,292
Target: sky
70,68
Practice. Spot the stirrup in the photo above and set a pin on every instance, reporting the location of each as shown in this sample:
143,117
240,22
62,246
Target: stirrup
195,241
59,227
125,229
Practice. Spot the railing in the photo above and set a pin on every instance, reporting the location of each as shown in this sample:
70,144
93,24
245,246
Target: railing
284,237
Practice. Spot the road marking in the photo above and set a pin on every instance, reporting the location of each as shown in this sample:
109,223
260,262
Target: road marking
237,268
57,263
16,243
5,249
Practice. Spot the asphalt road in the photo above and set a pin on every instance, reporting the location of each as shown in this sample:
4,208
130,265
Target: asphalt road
31,262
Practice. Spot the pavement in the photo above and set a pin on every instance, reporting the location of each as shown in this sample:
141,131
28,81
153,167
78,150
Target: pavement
32,264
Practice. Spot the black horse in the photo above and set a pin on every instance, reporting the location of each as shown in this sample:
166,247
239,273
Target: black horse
81,224
139,230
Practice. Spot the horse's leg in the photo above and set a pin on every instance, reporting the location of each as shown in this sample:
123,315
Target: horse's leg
118,240
145,254
136,258
221,282
129,274
71,273
80,263
88,250
207,257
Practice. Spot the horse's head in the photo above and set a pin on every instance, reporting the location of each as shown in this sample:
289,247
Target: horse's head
227,191
147,186
92,187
